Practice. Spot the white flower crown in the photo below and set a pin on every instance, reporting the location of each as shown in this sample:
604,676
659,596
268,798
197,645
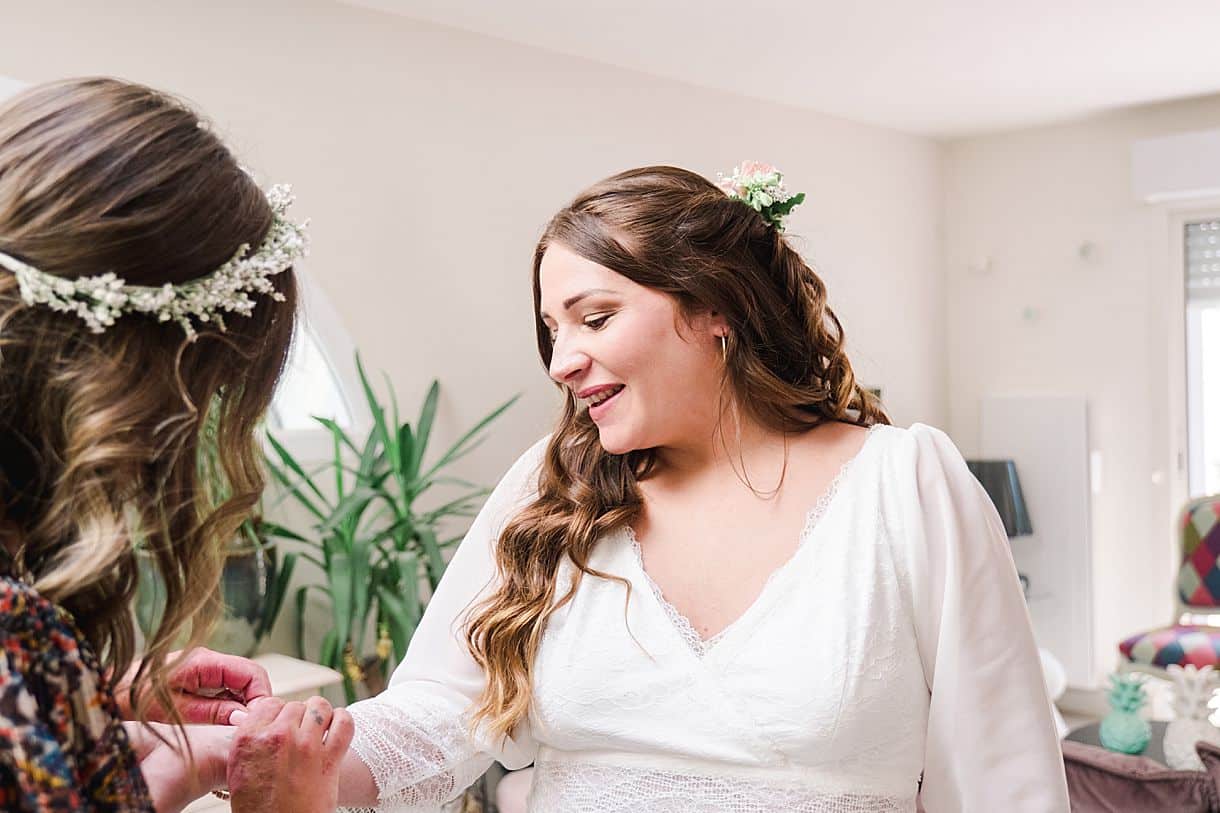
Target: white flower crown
99,300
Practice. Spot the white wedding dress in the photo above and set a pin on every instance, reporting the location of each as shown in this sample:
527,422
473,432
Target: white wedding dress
894,643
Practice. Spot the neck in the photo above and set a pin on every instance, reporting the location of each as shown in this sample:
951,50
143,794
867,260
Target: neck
723,450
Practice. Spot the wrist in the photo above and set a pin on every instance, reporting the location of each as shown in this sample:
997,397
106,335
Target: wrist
210,746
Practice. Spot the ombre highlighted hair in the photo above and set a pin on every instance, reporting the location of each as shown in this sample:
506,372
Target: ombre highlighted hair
100,433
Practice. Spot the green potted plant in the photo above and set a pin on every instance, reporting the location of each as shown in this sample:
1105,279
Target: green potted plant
379,552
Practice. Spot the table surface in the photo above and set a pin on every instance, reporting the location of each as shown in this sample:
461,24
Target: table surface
1090,735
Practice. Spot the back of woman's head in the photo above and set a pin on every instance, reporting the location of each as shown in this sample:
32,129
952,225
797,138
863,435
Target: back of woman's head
785,367
100,431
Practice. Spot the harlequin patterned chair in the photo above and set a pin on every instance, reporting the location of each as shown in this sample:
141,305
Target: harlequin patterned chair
1198,593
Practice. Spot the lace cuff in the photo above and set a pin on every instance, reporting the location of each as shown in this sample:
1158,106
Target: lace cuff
418,750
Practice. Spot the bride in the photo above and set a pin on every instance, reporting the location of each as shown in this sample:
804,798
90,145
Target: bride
724,582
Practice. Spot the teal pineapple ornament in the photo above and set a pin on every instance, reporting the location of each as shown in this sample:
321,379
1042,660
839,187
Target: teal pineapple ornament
1124,730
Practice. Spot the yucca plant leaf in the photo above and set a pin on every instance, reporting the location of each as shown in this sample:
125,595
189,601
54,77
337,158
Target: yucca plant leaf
275,595
276,530
460,448
328,653
375,409
408,583
339,582
361,584
408,443
302,595
395,419
337,432
350,507
291,463
432,554
294,490
402,621
427,414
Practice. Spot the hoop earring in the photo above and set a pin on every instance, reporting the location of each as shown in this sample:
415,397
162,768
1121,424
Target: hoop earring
724,348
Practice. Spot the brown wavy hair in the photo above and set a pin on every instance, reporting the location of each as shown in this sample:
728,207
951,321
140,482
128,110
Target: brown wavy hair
100,433
673,231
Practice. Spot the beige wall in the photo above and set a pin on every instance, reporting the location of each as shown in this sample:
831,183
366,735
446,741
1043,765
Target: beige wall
1099,326
429,160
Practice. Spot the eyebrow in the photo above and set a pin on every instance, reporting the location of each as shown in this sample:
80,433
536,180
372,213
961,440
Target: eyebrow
572,300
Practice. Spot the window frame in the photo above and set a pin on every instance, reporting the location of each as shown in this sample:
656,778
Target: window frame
1178,216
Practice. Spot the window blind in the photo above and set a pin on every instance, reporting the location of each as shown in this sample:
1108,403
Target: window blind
1203,261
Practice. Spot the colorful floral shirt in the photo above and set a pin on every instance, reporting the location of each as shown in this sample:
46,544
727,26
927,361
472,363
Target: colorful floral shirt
62,744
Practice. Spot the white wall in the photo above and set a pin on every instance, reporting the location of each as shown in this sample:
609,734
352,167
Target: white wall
1045,320
429,159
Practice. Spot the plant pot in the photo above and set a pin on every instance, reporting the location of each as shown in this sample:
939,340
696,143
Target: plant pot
245,580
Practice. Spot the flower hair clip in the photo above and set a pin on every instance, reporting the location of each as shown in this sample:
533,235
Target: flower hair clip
98,301
761,187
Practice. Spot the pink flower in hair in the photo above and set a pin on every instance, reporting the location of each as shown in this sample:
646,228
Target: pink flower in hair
748,168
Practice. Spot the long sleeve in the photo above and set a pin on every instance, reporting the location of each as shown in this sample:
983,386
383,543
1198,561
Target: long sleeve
62,743
414,736
991,741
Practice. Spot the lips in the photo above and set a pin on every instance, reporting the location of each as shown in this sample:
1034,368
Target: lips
601,399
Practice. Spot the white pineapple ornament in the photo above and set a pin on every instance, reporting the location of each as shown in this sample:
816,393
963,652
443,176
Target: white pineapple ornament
1192,690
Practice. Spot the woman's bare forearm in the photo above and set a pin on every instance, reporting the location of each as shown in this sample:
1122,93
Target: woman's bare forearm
356,785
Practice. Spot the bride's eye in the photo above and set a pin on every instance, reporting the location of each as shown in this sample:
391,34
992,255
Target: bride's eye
597,322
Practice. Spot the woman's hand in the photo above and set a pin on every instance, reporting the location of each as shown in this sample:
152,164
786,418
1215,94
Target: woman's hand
206,687
172,779
285,757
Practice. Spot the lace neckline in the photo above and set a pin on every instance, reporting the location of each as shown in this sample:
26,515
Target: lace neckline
702,646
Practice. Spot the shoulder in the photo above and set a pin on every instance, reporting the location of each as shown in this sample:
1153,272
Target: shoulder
36,708
520,483
32,625
61,741
919,447
45,661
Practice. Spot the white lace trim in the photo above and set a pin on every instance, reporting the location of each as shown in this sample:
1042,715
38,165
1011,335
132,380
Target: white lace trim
419,760
697,643
577,787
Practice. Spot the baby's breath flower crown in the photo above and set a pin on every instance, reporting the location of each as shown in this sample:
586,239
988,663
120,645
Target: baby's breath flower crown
761,187
98,301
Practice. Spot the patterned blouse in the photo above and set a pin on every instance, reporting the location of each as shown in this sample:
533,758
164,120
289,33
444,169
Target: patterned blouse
62,743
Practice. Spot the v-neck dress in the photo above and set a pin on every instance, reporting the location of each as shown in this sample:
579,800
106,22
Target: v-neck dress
890,657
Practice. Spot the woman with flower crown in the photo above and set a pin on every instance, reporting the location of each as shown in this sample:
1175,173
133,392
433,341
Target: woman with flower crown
145,285
725,582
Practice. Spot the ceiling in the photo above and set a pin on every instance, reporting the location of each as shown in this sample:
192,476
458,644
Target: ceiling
939,68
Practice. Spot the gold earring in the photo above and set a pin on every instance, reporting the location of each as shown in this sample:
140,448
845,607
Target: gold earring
724,348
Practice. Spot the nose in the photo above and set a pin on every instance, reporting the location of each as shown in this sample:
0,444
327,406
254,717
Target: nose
568,362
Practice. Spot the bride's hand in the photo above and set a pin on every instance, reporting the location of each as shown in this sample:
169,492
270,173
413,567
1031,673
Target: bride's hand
285,757
173,780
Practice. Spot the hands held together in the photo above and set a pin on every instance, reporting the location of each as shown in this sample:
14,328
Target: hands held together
273,756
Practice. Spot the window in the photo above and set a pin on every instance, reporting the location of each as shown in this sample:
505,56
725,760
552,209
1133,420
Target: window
1202,261
320,379
310,386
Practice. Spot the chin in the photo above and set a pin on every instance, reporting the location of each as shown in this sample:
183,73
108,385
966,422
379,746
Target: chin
616,442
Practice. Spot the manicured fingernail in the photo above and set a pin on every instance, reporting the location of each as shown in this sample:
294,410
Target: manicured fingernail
237,715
